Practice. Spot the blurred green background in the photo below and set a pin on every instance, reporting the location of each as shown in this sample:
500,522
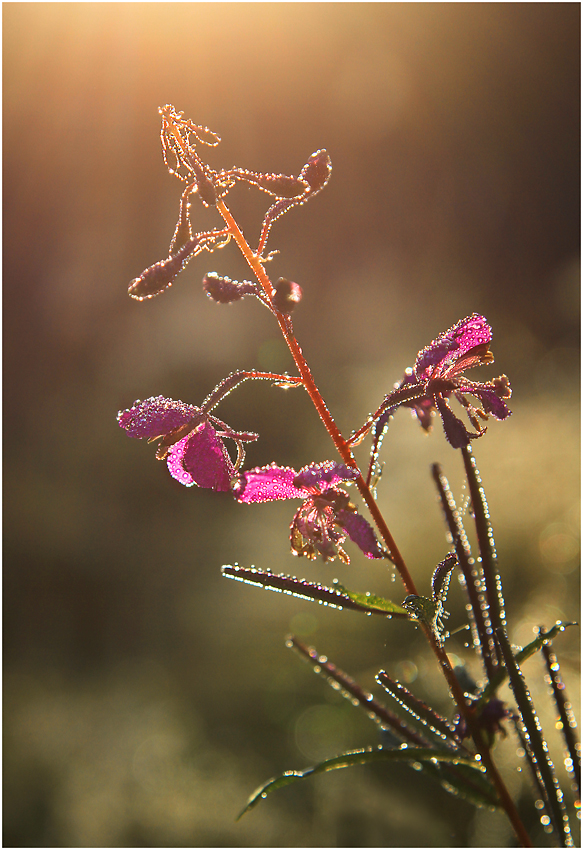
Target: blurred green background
145,696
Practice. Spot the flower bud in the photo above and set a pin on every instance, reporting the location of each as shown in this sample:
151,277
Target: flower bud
286,295
224,290
160,276
316,172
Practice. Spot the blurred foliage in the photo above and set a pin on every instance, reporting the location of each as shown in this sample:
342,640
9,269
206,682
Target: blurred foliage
145,697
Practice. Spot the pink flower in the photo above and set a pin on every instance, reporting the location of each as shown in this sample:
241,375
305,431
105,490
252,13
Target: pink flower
438,375
191,440
325,517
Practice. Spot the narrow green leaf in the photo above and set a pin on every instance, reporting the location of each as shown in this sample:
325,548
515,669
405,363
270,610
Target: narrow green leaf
467,782
462,780
536,747
485,535
419,709
372,602
364,756
502,675
481,640
351,689
566,714
335,597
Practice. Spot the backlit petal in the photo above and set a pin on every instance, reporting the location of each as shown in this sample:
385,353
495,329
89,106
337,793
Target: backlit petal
321,476
449,346
201,459
267,484
155,417
360,532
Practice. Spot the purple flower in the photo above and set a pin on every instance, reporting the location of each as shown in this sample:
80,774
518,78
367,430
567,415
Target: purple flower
191,440
438,375
325,517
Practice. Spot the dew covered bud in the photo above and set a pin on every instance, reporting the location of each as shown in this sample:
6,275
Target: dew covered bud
224,290
316,172
281,185
206,189
160,276
286,295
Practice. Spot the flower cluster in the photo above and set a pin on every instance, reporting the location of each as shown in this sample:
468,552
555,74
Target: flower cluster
439,370
437,376
325,517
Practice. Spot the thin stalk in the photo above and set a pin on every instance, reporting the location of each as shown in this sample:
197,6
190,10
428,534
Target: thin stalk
536,747
462,547
566,715
486,543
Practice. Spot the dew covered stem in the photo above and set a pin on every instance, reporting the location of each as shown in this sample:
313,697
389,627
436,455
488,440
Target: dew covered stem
492,581
536,746
467,565
566,715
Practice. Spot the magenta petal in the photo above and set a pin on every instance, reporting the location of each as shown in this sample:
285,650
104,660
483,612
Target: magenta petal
360,532
449,346
266,484
207,460
155,417
321,476
200,458
491,402
456,432
174,461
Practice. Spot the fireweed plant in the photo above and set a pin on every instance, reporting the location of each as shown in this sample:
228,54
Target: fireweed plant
200,449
